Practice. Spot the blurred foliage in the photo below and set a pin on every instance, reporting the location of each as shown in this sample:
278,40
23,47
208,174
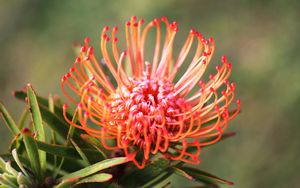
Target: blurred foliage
261,38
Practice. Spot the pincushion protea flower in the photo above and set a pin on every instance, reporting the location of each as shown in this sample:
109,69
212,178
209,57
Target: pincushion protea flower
146,111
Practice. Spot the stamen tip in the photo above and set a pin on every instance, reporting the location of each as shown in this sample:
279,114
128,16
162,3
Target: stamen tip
65,106
87,39
87,58
90,50
224,59
163,18
115,29
78,59
72,69
83,49
106,28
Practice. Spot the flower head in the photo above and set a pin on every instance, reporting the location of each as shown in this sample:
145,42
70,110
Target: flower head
148,107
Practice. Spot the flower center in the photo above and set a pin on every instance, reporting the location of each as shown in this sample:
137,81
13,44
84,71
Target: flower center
146,106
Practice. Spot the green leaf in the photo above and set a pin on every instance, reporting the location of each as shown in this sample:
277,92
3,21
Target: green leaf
144,176
97,178
4,186
96,168
21,95
203,176
19,163
37,124
182,173
63,151
21,179
81,153
59,125
10,169
22,120
8,180
16,143
67,183
35,114
158,179
114,185
54,120
9,157
224,137
8,120
58,150
2,164
32,152
96,144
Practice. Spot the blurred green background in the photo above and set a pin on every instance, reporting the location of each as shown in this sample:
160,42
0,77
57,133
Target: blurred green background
261,38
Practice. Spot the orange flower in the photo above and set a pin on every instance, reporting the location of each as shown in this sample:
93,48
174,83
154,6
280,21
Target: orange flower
147,108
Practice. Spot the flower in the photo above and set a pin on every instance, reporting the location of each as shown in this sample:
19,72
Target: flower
149,108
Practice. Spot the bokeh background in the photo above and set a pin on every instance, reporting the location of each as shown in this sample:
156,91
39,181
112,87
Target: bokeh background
261,38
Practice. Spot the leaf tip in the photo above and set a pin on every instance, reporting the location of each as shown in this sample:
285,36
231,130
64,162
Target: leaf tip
29,85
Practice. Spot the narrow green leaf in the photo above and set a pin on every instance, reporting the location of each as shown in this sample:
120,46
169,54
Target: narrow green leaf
58,150
2,164
54,120
9,157
8,180
21,95
23,186
182,173
16,143
81,153
35,114
114,185
96,168
37,124
21,179
202,176
96,144
53,134
97,178
154,182
10,169
56,123
4,186
67,183
63,151
51,103
19,163
32,152
8,120
22,120
59,125
150,172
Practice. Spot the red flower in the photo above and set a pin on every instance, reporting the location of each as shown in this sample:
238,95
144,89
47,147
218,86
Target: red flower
148,108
